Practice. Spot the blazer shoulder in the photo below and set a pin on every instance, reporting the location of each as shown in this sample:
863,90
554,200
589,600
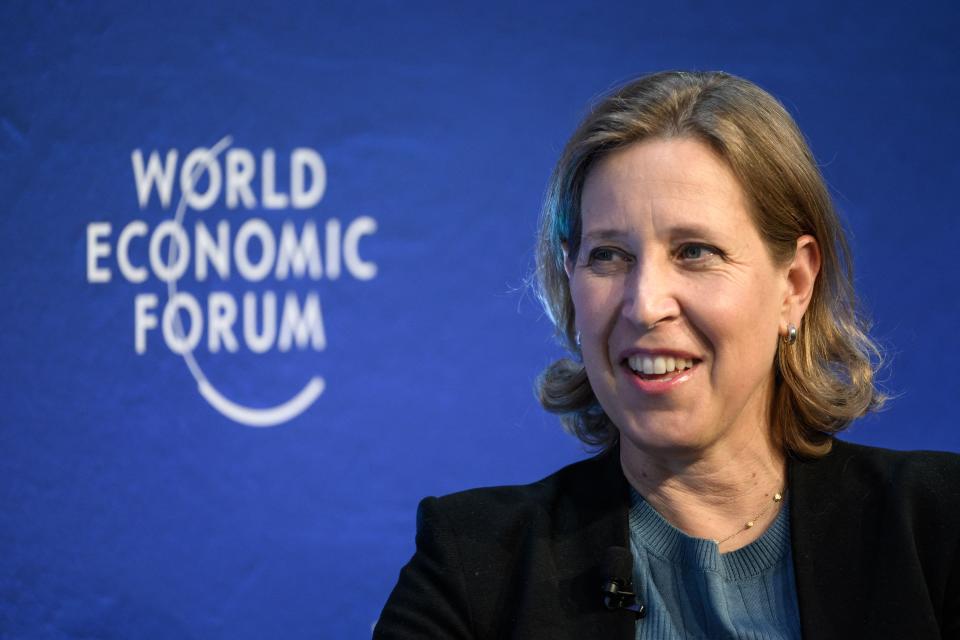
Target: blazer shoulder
923,478
936,467
593,485
515,561
876,532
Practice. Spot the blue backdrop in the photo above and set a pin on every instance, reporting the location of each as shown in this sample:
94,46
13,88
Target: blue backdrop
376,185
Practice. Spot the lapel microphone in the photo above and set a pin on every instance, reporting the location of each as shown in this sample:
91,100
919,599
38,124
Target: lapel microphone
618,582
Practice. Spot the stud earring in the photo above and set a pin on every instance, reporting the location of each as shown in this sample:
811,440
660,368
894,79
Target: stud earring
791,337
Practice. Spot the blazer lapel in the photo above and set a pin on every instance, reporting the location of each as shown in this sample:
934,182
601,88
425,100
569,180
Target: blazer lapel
827,543
596,519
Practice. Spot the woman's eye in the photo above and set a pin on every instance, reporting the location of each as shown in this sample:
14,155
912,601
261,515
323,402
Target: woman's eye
602,255
607,255
697,251
608,260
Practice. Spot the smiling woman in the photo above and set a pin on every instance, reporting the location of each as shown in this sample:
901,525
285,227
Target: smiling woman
671,266
693,264
760,161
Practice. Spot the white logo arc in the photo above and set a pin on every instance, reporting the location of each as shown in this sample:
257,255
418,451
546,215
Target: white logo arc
249,416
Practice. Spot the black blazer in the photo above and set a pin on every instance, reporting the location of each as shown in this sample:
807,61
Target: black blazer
875,537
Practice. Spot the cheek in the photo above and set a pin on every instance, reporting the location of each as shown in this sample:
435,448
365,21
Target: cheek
595,304
741,323
596,311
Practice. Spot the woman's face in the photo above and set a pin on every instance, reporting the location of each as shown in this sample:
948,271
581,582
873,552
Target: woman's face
678,302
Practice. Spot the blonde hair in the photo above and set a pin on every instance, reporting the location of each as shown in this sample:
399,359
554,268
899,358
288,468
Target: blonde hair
823,381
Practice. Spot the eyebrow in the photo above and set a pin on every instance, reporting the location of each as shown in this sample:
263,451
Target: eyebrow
604,234
693,230
678,231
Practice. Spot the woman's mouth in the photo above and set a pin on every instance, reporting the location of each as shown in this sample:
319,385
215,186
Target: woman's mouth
653,367
658,373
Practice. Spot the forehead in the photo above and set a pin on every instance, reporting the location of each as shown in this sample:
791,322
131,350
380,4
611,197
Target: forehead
663,182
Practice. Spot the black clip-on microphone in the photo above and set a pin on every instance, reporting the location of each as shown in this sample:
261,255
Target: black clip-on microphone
618,582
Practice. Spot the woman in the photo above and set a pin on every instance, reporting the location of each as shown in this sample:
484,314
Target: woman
691,259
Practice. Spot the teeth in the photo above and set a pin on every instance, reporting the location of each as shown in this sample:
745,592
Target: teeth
658,365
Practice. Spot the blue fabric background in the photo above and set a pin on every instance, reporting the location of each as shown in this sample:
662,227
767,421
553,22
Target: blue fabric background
132,509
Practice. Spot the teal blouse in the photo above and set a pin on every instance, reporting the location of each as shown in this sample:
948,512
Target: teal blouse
692,591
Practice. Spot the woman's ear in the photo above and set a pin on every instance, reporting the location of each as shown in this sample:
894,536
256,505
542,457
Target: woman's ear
801,276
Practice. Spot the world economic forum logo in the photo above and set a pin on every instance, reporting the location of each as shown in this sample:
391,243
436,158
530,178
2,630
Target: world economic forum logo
244,247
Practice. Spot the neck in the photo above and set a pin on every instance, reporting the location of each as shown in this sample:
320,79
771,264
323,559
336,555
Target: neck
711,493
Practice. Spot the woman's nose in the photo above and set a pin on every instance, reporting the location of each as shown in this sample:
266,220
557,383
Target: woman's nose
649,296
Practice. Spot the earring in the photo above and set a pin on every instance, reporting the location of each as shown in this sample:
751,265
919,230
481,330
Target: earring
576,338
791,337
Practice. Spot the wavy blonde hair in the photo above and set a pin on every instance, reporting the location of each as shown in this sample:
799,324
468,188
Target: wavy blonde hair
824,380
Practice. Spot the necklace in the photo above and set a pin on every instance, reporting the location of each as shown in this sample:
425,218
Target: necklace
777,499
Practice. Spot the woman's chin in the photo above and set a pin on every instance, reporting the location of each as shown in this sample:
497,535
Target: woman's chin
665,439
